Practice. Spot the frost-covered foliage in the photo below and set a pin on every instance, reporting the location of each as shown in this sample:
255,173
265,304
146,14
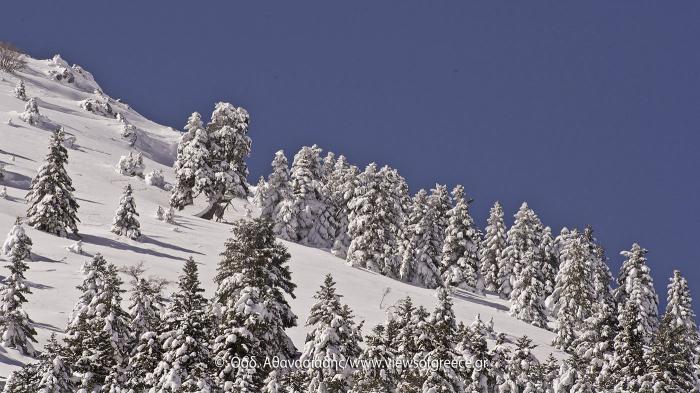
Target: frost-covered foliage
125,219
249,303
20,91
16,330
528,295
18,239
3,189
459,265
155,178
334,339
636,275
130,134
340,186
375,220
76,248
52,207
131,165
492,247
276,189
211,160
98,106
31,113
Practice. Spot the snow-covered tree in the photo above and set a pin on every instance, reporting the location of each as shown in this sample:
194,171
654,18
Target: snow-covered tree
125,222
522,364
31,112
16,330
636,271
594,343
277,188
191,168
130,134
550,262
528,295
341,185
55,373
52,207
186,361
20,91
23,380
492,247
155,178
332,342
378,373
499,374
525,235
573,377
573,297
474,348
17,238
375,217
147,302
97,337
459,265
249,302
131,165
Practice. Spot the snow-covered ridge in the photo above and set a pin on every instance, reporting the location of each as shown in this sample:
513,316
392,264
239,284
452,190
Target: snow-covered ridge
69,96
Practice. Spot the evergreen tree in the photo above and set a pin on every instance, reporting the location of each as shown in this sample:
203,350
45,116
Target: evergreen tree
573,377
186,364
378,374
16,330
423,244
527,297
250,303
474,349
23,380
52,207
525,235
459,265
492,247
192,171
499,373
521,365
98,336
550,263
573,296
276,188
31,114
125,221
635,271
333,339
20,91
17,238
341,184
595,342
375,216
55,372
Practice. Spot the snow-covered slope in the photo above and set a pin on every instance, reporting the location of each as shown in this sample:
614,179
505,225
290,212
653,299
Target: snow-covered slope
55,272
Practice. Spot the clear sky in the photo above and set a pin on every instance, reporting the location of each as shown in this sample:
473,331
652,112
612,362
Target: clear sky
590,110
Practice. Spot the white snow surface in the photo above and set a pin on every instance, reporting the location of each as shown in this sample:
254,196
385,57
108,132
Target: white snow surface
55,271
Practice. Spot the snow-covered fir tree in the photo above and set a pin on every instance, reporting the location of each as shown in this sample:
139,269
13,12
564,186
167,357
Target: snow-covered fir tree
259,194
525,235
635,271
573,377
31,112
674,353
375,216
474,348
249,303
131,165
521,366
52,207
423,243
492,247
97,338
341,185
155,178
17,238
186,361
212,160
277,188
528,295
125,222
23,380
573,297
55,373
16,330
378,373
333,340
459,265
20,91
550,262
499,374
594,343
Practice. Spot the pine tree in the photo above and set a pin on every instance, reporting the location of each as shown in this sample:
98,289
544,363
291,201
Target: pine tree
499,373
52,207
595,342
20,91
250,303
191,168
409,320
97,338
671,361
379,373
492,247
125,221
23,380
521,365
17,238
573,377
473,347
423,244
550,263
527,297
341,184
525,235
635,271
31,114
459,265
333,339
277,187
186,364
16,330
55,372
374,220
573,296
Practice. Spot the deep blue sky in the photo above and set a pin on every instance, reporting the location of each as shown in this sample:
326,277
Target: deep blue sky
590,111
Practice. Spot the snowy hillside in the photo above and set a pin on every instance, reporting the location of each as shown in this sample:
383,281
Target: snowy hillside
54,271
